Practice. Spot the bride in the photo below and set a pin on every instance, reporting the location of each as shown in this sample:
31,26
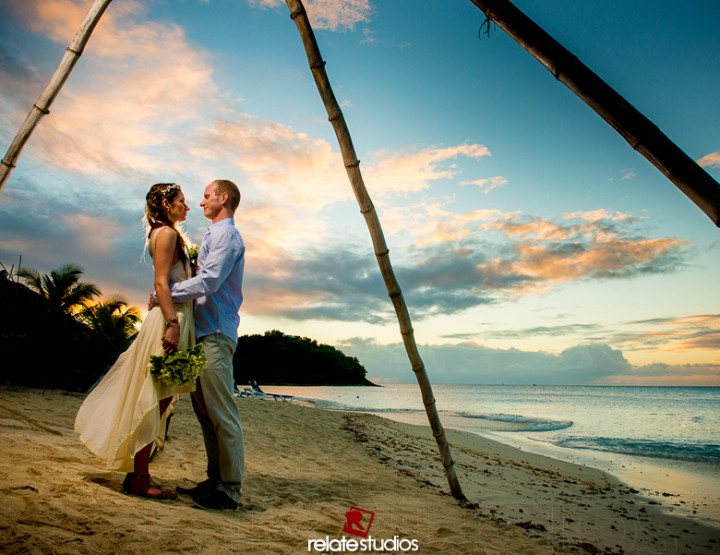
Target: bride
124,416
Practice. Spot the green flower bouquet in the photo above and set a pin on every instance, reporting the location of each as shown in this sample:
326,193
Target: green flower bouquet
192,252
180,368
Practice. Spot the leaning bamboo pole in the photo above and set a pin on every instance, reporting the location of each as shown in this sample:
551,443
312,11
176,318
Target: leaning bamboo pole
382,253
42,106
635,128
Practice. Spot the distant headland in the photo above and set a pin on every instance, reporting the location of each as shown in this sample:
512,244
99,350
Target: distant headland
275,358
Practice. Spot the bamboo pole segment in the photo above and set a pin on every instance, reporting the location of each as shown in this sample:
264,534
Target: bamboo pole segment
635,128
352,166
42,106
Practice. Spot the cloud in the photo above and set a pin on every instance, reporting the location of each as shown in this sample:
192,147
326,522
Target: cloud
535,252
472,363
94,234
103,238
549,331
488,184
431,222
711,160
659,374
142,104
369,37
330,284
607,259
334,15
676,335
409,172
290,167
598,215
628,173
145,100
530,255
140,82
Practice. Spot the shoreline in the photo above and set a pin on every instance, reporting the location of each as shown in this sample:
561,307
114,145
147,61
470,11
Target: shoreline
569,500
679,487
682,487
305,468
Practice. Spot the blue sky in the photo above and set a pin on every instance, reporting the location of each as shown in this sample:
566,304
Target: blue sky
533,245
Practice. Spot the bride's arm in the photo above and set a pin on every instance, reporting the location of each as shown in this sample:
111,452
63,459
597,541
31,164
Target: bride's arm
165,247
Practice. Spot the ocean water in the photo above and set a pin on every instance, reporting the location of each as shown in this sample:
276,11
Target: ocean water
656,439
671,423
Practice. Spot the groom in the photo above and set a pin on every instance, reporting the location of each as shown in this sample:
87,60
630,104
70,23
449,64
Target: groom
217,289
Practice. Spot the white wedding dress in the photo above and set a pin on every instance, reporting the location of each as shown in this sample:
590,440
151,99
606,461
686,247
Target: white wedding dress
121,415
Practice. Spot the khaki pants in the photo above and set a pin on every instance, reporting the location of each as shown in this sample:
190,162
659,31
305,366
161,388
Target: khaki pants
217,413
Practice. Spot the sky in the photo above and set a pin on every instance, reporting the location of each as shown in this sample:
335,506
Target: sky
531,242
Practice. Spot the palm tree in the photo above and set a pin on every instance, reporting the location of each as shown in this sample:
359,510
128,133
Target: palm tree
61,287
113,320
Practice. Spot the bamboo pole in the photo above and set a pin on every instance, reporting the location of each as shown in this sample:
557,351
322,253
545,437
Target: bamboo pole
42,106
635,128
382,253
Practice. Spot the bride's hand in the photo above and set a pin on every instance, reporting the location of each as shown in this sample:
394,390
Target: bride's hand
172,338
152,303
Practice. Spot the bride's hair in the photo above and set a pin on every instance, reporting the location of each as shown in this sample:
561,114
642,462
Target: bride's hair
155,215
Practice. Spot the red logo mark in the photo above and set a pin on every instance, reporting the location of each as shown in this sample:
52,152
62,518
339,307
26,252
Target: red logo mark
357,522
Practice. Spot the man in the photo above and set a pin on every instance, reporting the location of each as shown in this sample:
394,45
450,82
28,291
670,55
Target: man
217,289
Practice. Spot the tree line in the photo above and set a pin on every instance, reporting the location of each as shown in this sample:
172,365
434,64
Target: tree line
55,332
279,359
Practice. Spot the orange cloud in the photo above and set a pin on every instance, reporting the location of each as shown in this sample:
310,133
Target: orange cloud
682,380
697,337
291,168
711,160
596,259
542,230
433,223
139,82
597,215
407,173
513,253
144,101
693,333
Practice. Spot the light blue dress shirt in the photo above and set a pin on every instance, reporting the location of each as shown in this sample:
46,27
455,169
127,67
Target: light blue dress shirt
217,287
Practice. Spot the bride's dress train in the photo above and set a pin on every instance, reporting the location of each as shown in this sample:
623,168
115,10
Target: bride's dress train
121,415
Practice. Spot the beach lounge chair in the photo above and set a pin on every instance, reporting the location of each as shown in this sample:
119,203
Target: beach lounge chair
246,392
258,393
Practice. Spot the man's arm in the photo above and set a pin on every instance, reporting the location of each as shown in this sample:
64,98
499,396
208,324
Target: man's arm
224,250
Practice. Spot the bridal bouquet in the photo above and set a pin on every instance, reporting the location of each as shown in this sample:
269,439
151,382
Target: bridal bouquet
180,368
192,253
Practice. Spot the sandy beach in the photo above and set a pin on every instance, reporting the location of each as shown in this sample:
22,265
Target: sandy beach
305,469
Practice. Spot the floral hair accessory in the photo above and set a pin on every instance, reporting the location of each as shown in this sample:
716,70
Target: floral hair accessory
167,190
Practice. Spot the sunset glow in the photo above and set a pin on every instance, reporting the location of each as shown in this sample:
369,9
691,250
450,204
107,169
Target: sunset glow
525,233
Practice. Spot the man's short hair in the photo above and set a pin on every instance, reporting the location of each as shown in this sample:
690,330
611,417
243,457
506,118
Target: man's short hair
233,193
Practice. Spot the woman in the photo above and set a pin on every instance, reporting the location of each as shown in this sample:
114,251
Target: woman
125,415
